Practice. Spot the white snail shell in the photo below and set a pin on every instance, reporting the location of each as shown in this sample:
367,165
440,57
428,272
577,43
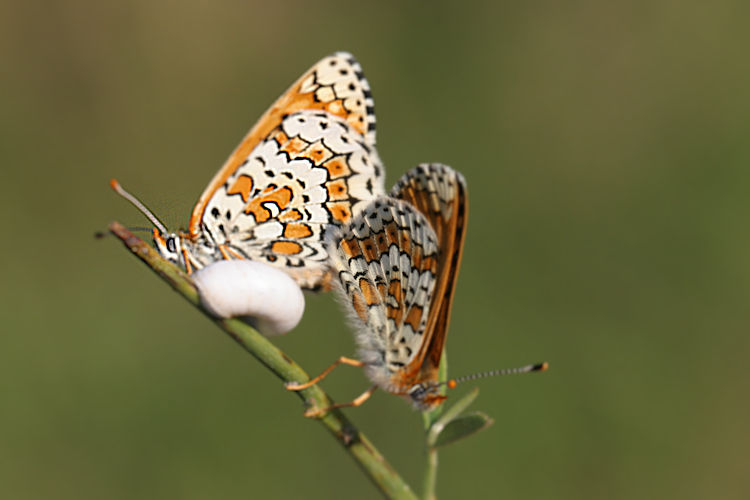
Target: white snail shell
263,296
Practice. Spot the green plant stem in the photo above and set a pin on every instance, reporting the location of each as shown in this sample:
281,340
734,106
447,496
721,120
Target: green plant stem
354,442
429,482
430,474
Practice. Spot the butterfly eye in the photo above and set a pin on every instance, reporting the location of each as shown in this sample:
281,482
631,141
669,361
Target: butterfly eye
171,244
417,392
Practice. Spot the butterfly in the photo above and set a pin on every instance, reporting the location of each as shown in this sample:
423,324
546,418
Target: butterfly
308,165
397,262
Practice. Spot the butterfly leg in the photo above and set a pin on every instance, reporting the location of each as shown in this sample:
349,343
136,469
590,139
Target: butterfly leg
314,412
296,386
186,259
224,253
234,253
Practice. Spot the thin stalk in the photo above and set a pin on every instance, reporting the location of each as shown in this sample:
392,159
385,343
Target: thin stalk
374,465
430,474
429,482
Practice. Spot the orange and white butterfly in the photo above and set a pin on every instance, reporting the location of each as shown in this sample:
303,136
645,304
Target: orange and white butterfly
308,165
397,262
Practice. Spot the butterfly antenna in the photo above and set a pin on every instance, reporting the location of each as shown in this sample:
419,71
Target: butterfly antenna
140,206
540,367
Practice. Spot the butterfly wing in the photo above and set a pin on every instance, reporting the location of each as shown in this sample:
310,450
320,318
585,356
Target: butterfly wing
386,261
308,163
439,193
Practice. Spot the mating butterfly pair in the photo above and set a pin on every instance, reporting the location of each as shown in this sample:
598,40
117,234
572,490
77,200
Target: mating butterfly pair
303,192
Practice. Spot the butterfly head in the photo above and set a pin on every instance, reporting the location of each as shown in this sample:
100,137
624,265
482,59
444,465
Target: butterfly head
169,246
426,396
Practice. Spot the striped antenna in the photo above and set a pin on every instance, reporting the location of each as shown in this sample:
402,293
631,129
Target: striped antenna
139,205
540,367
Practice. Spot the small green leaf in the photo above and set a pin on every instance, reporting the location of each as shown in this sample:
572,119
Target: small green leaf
459,406
463,427
449,414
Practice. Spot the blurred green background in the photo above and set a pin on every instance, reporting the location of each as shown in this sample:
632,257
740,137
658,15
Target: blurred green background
606,151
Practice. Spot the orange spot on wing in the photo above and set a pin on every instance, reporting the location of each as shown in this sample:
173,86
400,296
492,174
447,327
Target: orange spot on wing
290,215
370,251
414,317
351,248
243,185
294,147
358,303
280,137
391,229
340,210
337,167
317,153
337,190
356,120
416,259
395,290
382,242
406,243
369,292
281,197
297,231
286,247
430,263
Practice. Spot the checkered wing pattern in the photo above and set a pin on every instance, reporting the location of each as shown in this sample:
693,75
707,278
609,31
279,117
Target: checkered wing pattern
308,165
439,193
386,261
